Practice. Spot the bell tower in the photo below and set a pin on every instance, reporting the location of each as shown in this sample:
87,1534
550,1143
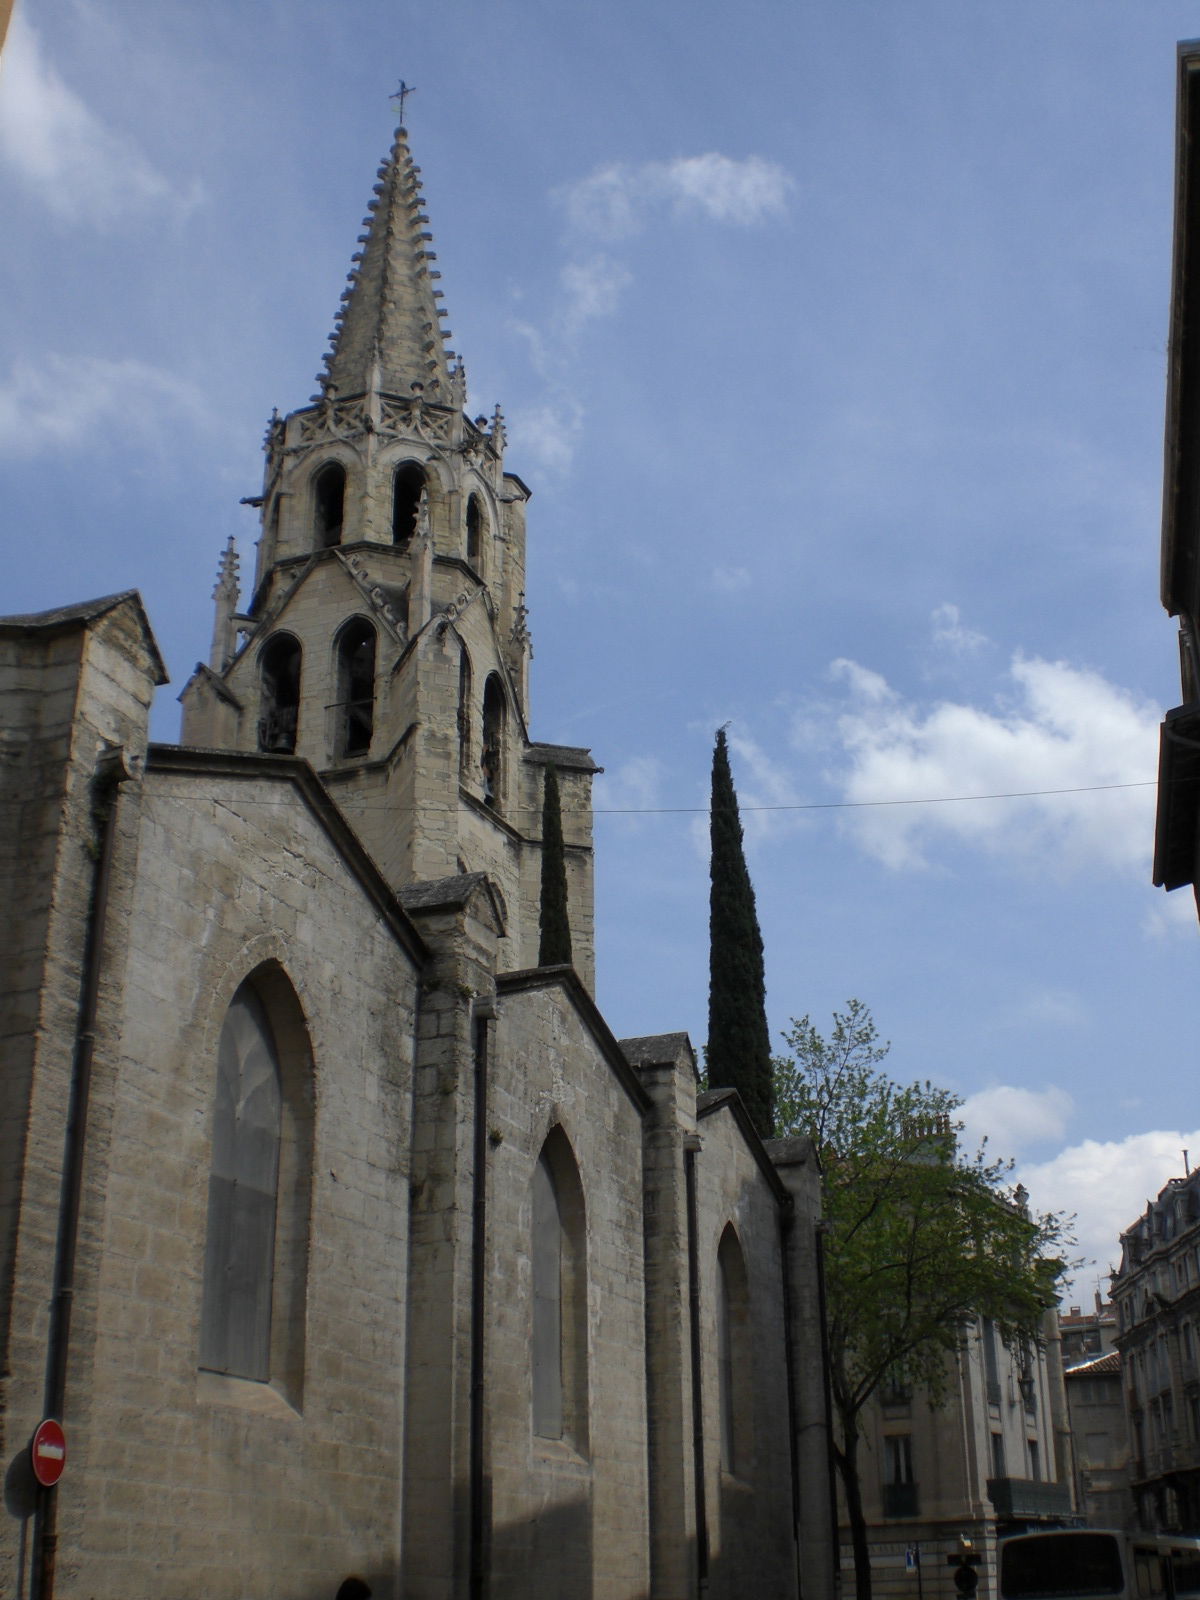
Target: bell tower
386,640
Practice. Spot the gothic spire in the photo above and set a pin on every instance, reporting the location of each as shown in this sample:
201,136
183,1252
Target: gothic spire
387,334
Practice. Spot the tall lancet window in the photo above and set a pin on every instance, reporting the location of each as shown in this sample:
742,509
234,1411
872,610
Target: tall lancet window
464,712
491,757
329,504
279,705
355,707
734,1356
475,526
407,486
558,1345
256,1250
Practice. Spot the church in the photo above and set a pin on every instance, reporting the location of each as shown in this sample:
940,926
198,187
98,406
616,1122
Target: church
337,1230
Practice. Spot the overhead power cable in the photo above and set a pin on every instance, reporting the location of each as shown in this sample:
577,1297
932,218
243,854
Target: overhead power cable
852,805
795,805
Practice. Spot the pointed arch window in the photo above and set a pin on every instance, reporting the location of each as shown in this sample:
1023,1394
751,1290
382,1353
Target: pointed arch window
475,529
734,1356
559,1272
356,688
256,1248
491,758
329,504
464,712
279,704
407,487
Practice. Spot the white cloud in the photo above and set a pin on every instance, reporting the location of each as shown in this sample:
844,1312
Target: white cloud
591,289
1011,1118
82,170
1171,916
615,201
71,400
611,204
949,632
741,192
603,203
864,684
634,786
547,433
1106,1184
1056,727
730,579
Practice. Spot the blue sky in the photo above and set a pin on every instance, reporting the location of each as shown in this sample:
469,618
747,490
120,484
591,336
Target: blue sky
832,343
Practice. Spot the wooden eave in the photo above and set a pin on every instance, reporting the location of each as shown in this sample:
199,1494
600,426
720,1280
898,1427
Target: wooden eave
1180,572
1175,827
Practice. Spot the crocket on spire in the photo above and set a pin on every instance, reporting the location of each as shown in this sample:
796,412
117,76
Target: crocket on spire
388,335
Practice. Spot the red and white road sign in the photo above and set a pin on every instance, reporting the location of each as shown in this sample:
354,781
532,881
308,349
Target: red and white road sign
48,1452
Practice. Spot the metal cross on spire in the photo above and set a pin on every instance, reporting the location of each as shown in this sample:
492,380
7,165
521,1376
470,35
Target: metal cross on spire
401,95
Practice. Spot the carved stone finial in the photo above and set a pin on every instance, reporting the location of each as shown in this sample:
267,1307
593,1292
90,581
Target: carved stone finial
225,594
519,633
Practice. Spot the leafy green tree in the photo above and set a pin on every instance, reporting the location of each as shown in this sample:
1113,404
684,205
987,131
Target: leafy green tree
554,923
738,1055
922,1239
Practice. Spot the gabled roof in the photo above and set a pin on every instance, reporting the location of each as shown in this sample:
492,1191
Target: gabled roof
452,894
568,757
212,680
659,1049
729,1099
566,979
63,619
1105,1366
186,760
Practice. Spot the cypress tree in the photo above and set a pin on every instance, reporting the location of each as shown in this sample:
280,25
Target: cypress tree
739,1044
554,948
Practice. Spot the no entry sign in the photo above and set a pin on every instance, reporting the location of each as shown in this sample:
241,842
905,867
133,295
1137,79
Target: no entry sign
48,1452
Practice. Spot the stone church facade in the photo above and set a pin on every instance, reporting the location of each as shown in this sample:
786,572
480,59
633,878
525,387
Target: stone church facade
340,1234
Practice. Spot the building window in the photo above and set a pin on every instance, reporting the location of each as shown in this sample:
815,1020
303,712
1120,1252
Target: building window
491,758
735,1361
991,1366
355,688
1035,1462
899,1482
279,704
999,1469
464,712
558,1345
408,486
256,1249
895,1392
329,504
475,527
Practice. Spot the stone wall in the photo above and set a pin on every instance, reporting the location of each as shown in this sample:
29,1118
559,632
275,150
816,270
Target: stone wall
749,1499
572,1511
74,685
185,1482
